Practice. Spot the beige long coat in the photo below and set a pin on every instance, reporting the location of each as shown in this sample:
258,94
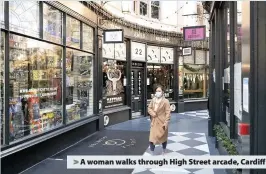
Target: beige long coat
159,119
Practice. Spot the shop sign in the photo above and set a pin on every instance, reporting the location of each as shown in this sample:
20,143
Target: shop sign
113,36
194,33
187,51
167,55
139,35
162,39
153,54
172,107
106,120
138,51
113,101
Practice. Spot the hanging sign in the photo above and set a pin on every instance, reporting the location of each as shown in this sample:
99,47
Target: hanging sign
113,36
194,33
138,51
187,51
167,55
153,54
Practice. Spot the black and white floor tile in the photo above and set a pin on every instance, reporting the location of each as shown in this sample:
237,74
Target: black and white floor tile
180,144
199,114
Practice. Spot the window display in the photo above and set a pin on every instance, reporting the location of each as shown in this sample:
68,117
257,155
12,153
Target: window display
72,32
79,85
87,38
52,23
160,75
2,68
114,83
24,17
35,103
194,81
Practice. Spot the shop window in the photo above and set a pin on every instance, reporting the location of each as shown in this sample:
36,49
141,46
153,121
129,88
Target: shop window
114,83
52,23
194,81
160,75
72,32
2,68
143,8
88,38
35,74
24,17
79,85
155,9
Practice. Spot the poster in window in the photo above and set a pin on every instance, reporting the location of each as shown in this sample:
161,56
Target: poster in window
120,51
108,51
167,55
153,54
138,51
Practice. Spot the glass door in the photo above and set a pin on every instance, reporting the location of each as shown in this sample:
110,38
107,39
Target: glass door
137,92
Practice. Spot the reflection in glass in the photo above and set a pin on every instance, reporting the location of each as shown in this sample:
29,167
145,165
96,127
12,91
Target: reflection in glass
87,38
2,68
52,23
24,17
35,103
79,85
160,75
2,24
72,32
114,75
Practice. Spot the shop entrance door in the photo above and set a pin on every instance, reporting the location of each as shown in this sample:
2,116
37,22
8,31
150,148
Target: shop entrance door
137,92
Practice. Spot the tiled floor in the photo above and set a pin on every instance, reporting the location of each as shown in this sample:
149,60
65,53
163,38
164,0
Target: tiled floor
188,135
181,144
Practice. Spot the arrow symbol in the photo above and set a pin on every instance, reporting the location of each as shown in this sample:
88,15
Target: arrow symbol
76,161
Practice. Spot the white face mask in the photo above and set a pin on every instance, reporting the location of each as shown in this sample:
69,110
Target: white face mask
158,94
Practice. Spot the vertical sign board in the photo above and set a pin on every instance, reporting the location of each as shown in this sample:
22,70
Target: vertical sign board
194,33
153,54
167,55
138,51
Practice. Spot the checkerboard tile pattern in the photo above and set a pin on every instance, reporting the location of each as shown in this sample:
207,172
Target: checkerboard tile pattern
180,144
198,114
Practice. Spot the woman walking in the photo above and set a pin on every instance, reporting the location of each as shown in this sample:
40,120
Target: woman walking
159,110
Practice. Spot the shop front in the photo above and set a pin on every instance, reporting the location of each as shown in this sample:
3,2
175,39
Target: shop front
193,79
237,82
47,73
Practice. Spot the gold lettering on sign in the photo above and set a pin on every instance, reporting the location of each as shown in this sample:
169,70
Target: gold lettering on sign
139,35
162,39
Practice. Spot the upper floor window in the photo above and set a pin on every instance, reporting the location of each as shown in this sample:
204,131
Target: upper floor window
155,8
143,8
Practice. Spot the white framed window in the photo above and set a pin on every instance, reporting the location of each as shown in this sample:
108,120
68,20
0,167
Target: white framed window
143,8
155,9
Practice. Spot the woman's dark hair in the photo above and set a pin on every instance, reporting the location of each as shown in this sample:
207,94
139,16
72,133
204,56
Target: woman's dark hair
159,86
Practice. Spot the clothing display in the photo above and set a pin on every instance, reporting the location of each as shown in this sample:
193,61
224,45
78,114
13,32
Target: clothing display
193,81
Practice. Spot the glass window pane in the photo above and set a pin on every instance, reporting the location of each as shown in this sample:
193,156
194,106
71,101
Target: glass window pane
35,103
79,85
114,75
2,25
160,75
194,81
24,17
2,68
87,38
72,32
52,24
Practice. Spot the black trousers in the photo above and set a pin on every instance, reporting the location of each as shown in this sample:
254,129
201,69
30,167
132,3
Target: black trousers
152,146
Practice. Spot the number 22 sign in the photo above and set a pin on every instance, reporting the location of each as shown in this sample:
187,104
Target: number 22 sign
138,51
